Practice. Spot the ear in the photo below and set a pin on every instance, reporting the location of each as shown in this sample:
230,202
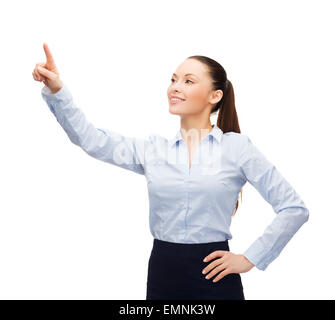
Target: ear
216,96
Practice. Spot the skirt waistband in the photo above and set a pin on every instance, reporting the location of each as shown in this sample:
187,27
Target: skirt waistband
189,248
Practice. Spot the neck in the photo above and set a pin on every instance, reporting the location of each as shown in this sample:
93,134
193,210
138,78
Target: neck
195,129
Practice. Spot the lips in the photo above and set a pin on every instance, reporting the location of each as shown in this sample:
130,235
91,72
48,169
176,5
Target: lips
175,97
176,101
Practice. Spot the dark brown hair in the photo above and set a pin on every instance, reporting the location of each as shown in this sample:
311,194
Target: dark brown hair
227,116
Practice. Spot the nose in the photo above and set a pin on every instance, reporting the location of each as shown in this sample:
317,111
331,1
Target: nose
176,89
175,86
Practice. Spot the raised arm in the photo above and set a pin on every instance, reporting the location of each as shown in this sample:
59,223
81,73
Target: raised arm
291,212
102,144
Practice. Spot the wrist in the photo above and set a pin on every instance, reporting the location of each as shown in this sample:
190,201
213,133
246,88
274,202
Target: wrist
247,260
56,87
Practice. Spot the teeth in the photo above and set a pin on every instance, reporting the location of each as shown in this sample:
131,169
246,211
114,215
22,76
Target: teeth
175,99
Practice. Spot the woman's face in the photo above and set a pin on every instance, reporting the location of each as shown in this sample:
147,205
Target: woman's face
192,84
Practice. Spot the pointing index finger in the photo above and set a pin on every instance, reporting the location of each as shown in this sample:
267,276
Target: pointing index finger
50,59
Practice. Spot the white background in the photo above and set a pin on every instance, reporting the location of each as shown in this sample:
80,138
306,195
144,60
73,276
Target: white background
73,227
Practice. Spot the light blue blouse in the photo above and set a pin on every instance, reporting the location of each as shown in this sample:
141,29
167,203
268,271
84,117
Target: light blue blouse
192,204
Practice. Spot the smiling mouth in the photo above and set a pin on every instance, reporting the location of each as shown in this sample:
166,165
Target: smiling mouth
174,100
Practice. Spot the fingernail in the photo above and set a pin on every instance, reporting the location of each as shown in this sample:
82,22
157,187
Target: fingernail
205,260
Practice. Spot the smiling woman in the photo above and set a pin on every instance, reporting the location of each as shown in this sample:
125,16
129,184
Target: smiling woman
193,184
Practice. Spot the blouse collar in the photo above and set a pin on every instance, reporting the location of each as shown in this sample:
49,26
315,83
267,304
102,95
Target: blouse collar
216,132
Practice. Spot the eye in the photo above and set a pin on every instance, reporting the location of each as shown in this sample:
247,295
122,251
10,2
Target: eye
186,80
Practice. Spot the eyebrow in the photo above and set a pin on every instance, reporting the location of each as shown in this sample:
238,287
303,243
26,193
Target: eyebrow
187,74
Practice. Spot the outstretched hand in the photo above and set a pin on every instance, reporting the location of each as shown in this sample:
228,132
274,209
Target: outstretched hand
48,72
228,262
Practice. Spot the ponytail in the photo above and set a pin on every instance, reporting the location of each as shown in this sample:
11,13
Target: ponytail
227,118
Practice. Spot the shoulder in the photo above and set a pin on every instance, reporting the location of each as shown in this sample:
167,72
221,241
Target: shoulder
242,146
156,138
160,139
235,135
238,140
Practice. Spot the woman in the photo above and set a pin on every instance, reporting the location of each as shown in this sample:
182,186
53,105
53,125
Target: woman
193,179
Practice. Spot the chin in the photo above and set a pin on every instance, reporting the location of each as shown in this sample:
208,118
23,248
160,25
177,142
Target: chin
172,111
175,111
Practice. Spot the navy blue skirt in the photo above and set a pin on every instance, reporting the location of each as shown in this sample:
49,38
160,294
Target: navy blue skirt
175,273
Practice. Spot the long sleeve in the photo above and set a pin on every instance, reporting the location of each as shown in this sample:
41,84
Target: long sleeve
102,144
291,212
